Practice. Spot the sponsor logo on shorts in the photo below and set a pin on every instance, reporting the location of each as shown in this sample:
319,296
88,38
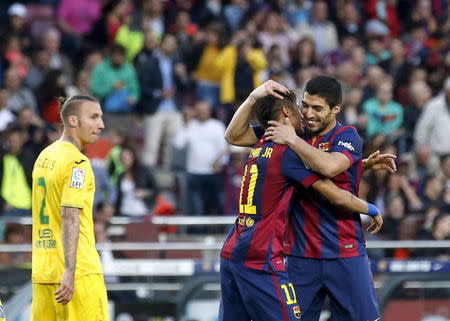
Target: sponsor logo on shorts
348,246
297,312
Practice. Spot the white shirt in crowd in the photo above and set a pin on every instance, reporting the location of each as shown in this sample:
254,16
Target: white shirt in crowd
204,141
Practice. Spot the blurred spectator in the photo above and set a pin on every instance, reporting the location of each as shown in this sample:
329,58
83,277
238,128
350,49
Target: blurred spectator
6,116
384,116
114,81
445,170
51,43
152,17
234,13
203,138
322,30
422,14
16,25
131,37
407,231
15,234
76,19
385,12
112,17
344,53
278,32
16,164
394,213
433,192
105,191
297,12
397,66
376,51
15,57
440,231
38,69
19,96
352,101
82,85
205,51
240,65
163,79
184,30
349,22
415,41
421,163
233,171
35,130
104,211
52,88
375,76
433,126
420,94
137,187
114,165
304,54
146,54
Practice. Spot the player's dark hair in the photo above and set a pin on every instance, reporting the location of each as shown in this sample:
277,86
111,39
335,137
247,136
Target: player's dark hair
326,87
269,107
69,106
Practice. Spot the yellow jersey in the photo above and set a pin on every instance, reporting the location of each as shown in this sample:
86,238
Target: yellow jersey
62,176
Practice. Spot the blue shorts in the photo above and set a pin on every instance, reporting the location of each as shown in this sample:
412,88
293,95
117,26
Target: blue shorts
249,294
348,282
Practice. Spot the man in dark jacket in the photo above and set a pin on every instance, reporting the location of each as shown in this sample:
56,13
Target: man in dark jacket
162,79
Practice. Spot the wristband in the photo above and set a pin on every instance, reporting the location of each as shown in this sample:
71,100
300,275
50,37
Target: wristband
372,210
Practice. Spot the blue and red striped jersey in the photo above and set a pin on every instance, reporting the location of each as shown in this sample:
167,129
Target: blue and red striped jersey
271,174
318,229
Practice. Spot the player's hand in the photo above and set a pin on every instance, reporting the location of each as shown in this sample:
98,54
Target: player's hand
280,133
270,87
377,223
67,287
379,161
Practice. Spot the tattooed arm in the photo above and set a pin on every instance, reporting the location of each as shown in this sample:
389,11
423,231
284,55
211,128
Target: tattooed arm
342,198
70,233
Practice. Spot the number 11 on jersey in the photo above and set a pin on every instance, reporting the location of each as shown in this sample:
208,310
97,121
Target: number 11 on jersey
248,207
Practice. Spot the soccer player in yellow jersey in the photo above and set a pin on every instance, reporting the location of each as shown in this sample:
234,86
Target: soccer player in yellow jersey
67,274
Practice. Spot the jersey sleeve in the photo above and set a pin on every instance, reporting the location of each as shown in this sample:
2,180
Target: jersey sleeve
348,143
75,183
293,167
259,131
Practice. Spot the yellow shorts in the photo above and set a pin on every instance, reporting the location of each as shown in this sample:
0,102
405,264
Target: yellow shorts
89,301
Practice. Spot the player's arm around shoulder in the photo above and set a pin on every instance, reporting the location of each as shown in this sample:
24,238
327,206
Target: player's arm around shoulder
328,164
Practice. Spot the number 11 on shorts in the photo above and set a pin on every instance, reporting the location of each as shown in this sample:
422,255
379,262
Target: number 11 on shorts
289,299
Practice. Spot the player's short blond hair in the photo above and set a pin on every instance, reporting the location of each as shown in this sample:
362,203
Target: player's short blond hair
69,106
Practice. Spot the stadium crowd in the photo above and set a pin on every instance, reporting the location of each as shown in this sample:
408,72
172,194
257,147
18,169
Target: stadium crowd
170,75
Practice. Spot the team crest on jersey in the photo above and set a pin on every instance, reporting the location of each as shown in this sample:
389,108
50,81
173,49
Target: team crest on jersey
78,175
297,312
324,146
249,222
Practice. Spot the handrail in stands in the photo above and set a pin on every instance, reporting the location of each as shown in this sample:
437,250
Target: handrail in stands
217,245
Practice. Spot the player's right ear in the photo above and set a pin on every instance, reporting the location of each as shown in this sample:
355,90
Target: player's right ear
286,111
72,121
